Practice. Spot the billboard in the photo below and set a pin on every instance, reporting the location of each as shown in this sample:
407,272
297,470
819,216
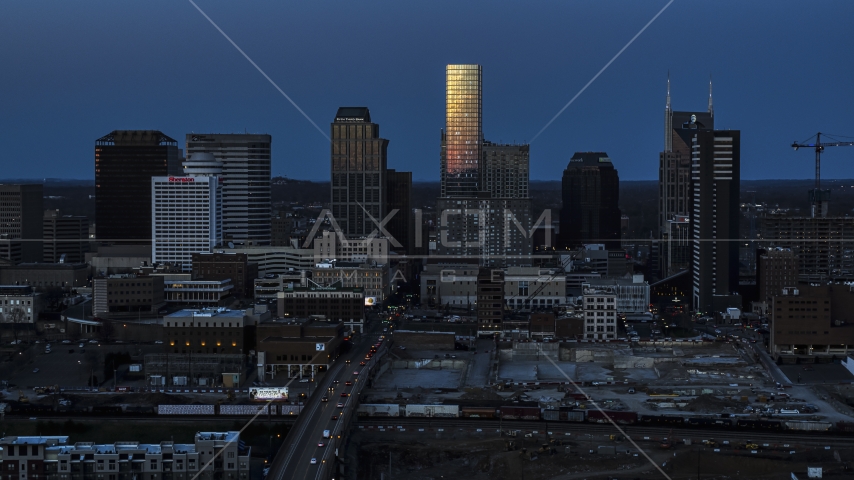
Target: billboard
268,393
370,301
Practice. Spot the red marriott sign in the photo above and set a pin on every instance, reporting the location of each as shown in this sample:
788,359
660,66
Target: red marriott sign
182,179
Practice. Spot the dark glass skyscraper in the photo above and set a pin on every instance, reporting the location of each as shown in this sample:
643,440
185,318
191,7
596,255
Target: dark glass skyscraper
359,161
21,222
399,197
125,161
591,196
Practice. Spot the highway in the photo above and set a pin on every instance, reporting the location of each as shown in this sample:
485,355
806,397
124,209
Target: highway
294,458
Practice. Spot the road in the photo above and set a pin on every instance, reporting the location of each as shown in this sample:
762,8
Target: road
301,444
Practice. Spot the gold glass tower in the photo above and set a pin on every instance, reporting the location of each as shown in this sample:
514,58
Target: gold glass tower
462,139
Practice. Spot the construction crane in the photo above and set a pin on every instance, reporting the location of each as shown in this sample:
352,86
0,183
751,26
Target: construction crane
819,198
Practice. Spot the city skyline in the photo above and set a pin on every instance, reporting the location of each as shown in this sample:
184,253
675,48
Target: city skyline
763,94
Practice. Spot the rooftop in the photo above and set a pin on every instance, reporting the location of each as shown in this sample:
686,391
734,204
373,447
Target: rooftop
207,312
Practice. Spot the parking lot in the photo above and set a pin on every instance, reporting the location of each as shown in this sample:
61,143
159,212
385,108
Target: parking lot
817,373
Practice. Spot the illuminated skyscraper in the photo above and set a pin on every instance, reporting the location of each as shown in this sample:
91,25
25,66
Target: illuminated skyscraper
462,139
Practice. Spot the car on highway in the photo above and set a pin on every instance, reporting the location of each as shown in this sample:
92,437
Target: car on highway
313,461
324,398
340,405
35,370
356,372
348,383
93,341
334,417
81,345
345,394
321,444
335,382
304,380
66,342
363,363
347,361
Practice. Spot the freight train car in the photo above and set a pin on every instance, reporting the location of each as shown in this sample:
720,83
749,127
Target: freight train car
520,413
759,424
479,412
622,418
667,420
709,422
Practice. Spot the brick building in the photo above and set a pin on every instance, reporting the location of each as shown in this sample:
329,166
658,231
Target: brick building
813,320
335,303
127,295
221,266
298,346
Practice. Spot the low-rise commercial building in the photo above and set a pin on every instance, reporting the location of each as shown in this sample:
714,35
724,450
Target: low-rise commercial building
224,266
40,276
632,293
128,296
812,320
211,330
298,347
372,278
276,260
335,303
19,304
201,293
268,287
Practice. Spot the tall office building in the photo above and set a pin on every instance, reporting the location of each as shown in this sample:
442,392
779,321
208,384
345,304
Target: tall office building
125,161
21,222
505,170
246,169
462,138
399,197
358,172
591,195
186,212
715,174
674,178
484,209
66,237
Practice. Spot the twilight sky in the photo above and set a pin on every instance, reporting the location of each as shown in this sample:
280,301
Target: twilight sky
71,72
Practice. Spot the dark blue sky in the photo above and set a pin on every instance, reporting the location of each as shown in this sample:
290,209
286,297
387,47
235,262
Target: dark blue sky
71,72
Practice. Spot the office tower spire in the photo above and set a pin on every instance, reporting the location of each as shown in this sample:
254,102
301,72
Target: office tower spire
668,119
711,108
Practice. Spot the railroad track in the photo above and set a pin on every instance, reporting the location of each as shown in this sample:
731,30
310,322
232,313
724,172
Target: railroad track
636,432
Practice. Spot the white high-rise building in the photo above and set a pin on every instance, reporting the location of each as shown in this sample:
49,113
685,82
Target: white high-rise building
186,212
246,169
600,312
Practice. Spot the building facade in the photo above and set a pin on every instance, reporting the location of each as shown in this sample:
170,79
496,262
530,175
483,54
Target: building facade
66,237
125,161
490,301
208,330
675,200
359,161
462,138
345,304
246,169
41,276
776,269
330,246
808,321
600,312
632,293
128,296
20,222
828,254
221,266
19,304
590,212
276,260
715,174
53,458
372,278
400,227
506,170
186,218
